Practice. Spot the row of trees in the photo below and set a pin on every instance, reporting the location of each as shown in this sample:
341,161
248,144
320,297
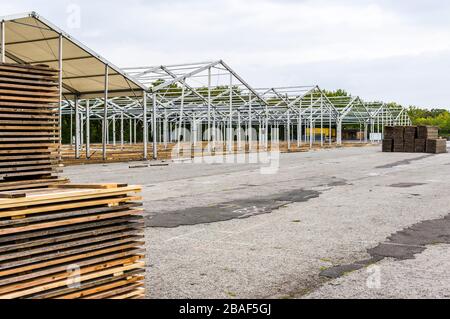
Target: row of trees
434,117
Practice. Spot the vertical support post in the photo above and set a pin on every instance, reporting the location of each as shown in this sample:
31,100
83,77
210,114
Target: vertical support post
209,109
194,130
145,125
230,120
330,129
155,147
60,83
107,131
288,135
361,131
81,131
321,121
105,112
239,146
71,124
113,120
266,130
311,133
88,130
339,132
214,132
77,128
249,133
131,130
121,130
365,131
3,41
135,130
165,129
180,120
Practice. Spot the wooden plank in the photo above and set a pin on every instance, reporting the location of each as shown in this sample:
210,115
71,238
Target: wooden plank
91,186
50,215
64,275
53,89
19,69
97,231
88,284
77,205
23,127
28,99
69,259
63,282
77,250
67,221
27,76
137,292
4,79
69,244
122,287
68,195
63,267
26,93
101,291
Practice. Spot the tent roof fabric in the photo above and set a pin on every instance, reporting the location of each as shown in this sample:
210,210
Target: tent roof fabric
31,39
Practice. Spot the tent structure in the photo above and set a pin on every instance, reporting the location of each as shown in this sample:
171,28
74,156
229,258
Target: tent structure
30,39
210,99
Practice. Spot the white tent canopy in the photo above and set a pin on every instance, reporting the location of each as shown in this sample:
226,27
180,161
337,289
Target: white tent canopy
31,39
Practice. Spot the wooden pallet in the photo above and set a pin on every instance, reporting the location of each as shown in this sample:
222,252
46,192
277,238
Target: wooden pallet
428,132
436,146
29,130
76,241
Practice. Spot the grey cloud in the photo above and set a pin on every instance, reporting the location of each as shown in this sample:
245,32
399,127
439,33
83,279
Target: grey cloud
394,50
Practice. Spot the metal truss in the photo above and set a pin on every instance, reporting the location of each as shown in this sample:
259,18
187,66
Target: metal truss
214,103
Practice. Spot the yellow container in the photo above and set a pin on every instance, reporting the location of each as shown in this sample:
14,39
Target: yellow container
326,131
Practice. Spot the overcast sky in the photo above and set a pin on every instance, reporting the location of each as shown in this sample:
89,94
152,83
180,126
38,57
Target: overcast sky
383,50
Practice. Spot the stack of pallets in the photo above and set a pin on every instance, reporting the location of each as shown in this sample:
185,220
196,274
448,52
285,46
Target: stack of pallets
410,135
388,141
428,132
29,132
80,241
399,145
412,139
58,240
436,146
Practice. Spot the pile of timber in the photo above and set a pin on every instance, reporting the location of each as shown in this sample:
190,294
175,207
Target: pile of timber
58,240
29,130
413,139
72,241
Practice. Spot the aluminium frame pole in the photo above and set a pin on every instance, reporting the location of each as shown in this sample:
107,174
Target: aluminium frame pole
321,121
60,83
77,128
154,146
71,125
3,41
288,130
105,112
88,130
230,123
209,109
250,128
144,125
121,130
113,120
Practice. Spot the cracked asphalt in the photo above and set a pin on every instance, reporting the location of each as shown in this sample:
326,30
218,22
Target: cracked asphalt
229,231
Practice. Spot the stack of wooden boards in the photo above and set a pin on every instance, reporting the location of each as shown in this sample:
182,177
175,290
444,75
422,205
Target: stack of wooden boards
58,240
72,241
29,130
413,139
